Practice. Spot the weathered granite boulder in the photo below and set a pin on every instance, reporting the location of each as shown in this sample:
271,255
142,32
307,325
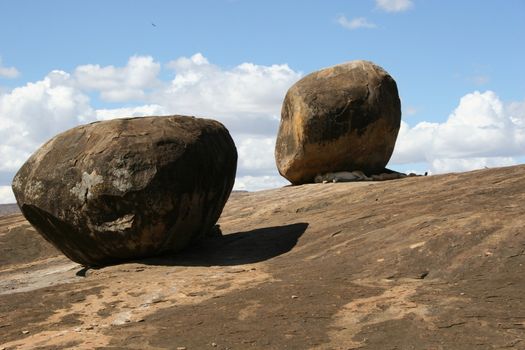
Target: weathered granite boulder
342,118
128,188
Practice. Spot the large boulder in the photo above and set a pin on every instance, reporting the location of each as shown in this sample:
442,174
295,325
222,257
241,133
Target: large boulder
128,188
342,118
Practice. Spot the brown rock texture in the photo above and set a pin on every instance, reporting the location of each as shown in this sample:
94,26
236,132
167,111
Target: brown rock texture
341,118
430,262
128,188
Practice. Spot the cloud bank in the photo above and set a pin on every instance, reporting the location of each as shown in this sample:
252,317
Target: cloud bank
119,84
246,99
481,131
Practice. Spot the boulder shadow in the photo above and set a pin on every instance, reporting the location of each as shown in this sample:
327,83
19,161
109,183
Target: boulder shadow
236,248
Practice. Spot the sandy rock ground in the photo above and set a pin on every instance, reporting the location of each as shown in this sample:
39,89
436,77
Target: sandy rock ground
417,263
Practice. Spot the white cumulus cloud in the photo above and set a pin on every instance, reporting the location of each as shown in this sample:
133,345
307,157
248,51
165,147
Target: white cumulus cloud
126,112
246,98
481,131
118,84
31,114
6,195
256,155
355,23
8,72
447,165
394,5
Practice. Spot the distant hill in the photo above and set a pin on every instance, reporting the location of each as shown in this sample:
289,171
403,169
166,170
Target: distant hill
8,209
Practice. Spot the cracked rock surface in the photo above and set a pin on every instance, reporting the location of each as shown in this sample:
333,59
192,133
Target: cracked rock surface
128,188
341,118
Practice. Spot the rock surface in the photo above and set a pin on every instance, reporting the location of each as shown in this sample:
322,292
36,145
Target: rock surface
128,188
430,262
341,118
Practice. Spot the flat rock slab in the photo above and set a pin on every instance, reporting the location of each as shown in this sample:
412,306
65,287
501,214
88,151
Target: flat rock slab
421,263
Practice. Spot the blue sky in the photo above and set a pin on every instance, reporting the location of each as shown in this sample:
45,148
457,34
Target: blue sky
440,53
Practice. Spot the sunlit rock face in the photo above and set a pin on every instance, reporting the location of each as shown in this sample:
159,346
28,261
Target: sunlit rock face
341,118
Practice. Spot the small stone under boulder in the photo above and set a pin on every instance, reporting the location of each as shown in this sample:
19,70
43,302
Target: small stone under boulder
128,188
342,118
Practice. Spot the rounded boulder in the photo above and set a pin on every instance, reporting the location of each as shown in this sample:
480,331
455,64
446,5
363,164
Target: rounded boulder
130,188
341,118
